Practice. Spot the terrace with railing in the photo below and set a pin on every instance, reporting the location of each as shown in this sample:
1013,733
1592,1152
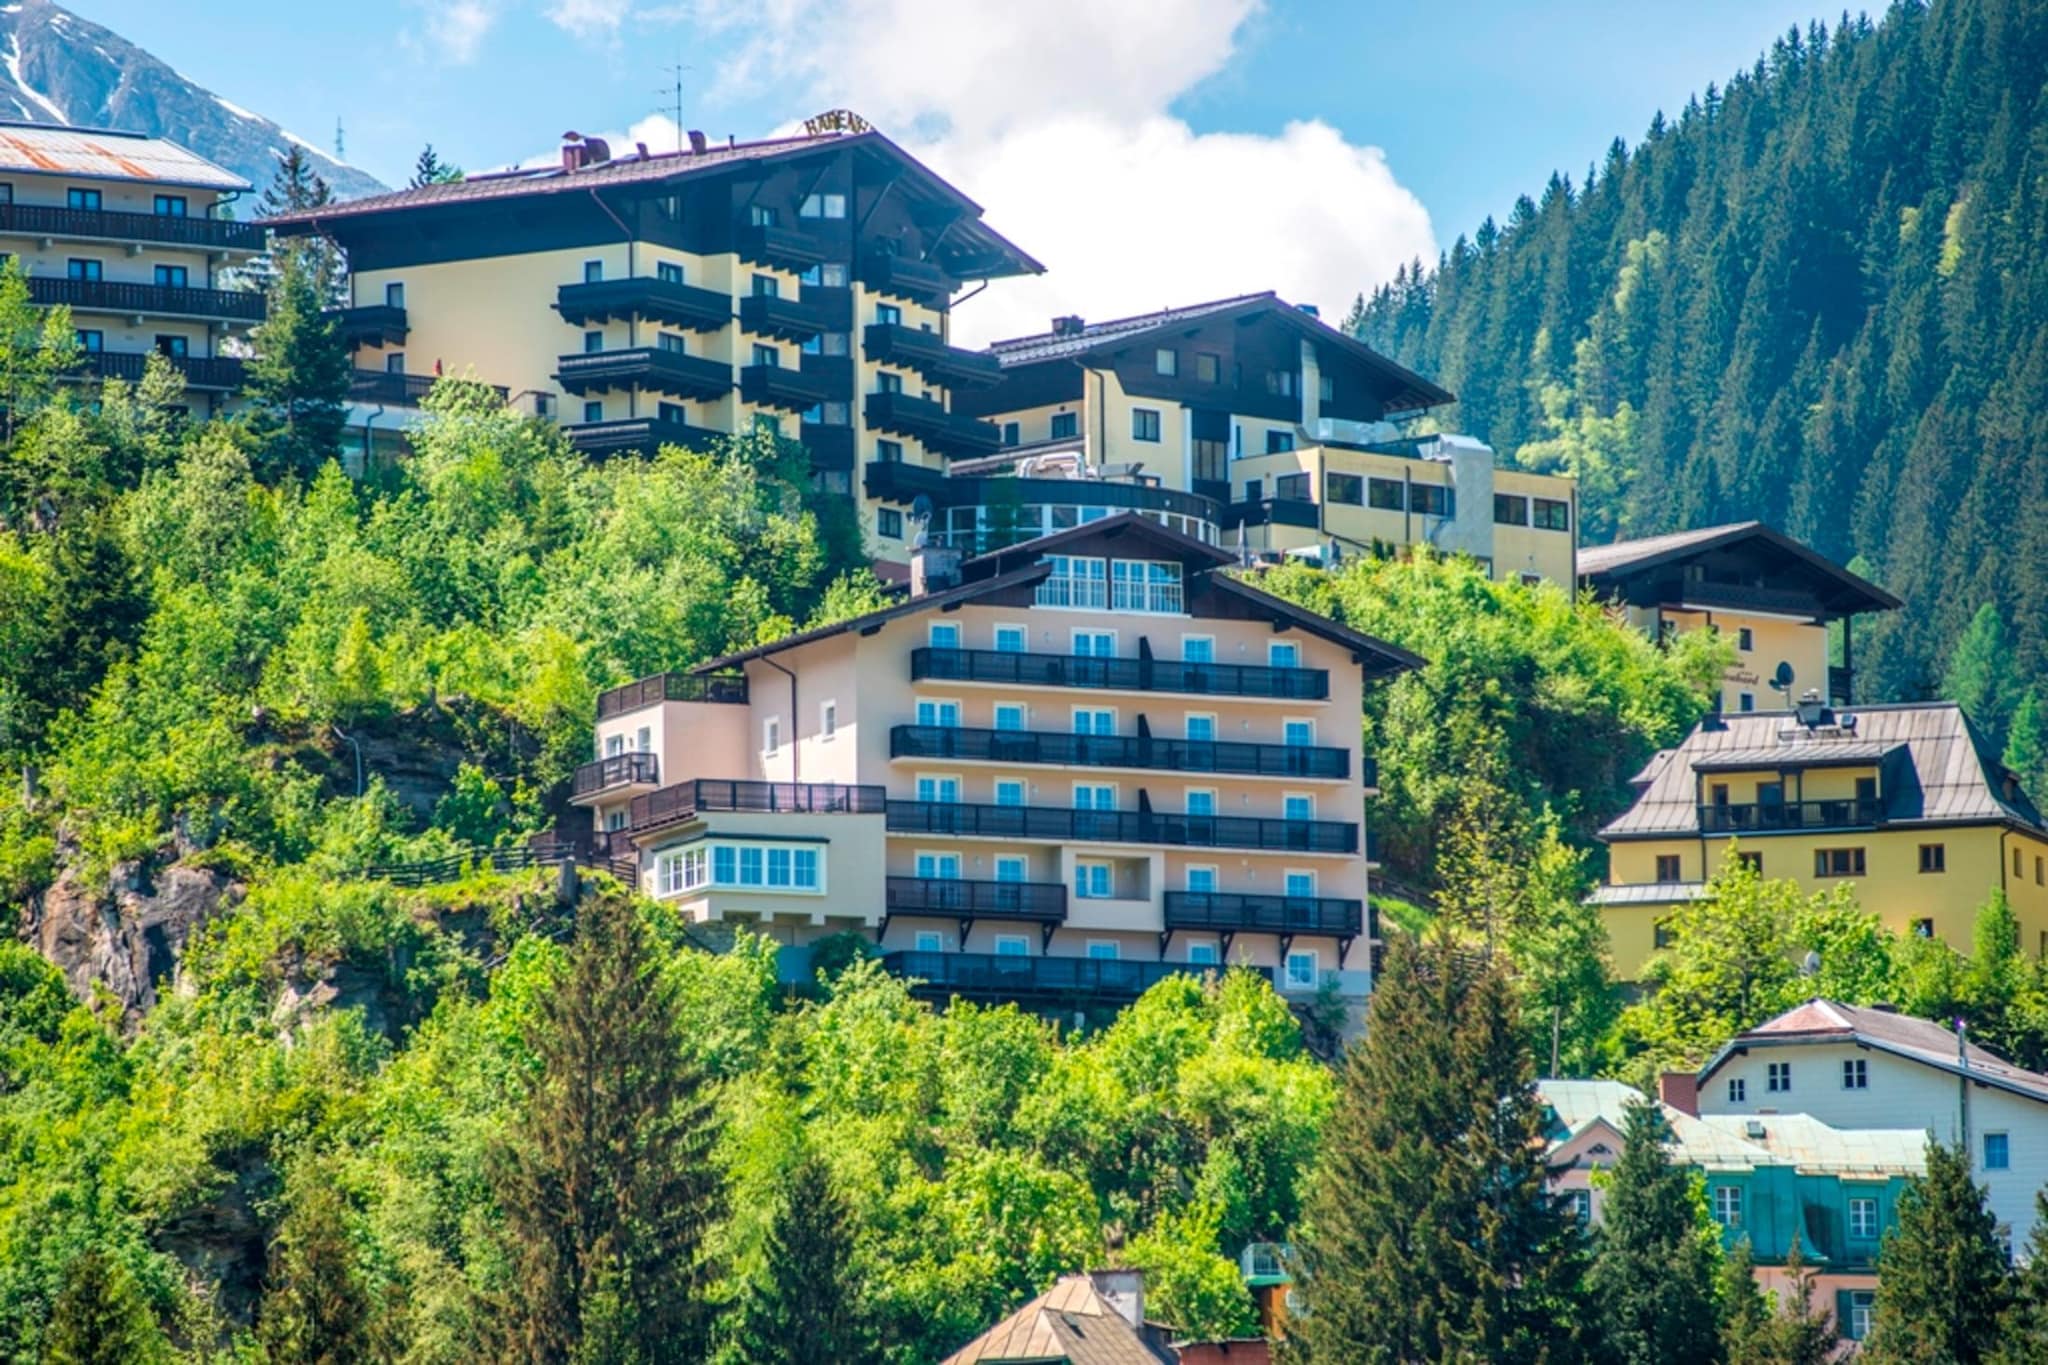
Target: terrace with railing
1128,675
1765,817
1227,757
1004,976
724,688
1122,826
687,800
636,769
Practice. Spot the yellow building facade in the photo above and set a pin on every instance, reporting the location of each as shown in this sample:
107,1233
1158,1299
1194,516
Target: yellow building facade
131,234
1902,803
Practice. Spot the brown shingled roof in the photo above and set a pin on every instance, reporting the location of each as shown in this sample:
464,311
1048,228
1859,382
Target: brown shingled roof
1069,1323
1902,1035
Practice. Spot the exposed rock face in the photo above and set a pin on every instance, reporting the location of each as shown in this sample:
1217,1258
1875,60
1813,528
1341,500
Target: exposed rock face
131,937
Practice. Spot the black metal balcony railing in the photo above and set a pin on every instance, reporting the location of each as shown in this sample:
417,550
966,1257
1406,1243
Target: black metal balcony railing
1230,912
1271,511
1000,976
397,390
201,372
927,420
651,368
1043,902
895,481
373,324
209,234
1127,675
644,435
644,296
159,300
618,770
928,354
781,247
1234,758
1738,596
787,319
1122,826
779,386
1791,815
685,800
919,281
723,688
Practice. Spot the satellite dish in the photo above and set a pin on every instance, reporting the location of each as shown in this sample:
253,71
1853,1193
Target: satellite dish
1782,679
1810,966
920,519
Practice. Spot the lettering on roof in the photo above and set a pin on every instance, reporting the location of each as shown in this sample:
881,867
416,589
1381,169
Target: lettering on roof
836,121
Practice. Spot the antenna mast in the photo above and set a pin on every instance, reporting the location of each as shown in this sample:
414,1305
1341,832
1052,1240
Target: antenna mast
339,154
673,95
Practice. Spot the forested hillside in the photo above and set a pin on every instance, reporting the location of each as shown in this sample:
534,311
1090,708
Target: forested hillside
1818,296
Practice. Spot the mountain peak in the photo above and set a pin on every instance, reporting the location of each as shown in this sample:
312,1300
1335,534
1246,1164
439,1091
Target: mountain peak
58,68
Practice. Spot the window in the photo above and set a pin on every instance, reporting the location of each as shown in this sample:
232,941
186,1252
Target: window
1201,801
1297,734
934,712
1348,489
1552,515
2039,864
939,867
1094,644
1009,715
668,272
1745,639
2015,862
939,790
1011,639
1661,934
1201,727
889,523
1012,945
1431,500
1728,1205
1012,433
1144,424
826,275
1010,868
1997,1152
1166,361
671,343
769,356
1091,882
945,635
1202,954
91,340
169,206
1934,857
1074,582
1208,368
6,192
1838,862
1388,495
822,206
667,412
1198,649
929,941
763,215
1862,1313
1750,859
1299,884
593,342
79,268
1297,806
593,410
1582,1206
1089,720
1279,442
1283,654
766,287
1202,880
1102,949
1745,701
1301,971
593,271
771,736
177,348
1667,867
82,199
1066,425
1326,388
1280,383
828,720
1094,796
1738,1090
1855,1074
774,867
889,314
1778,1078
887,381
1510,509
1923,927
889,452
1009,791
1863,1218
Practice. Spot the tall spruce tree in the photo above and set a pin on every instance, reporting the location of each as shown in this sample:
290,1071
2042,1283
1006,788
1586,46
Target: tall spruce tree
2023,1335
430,169
2026,744
805,1305
1980,676
1656,1253
1429,1233
300,377
1804,1332
314,1310
1942,1283
100,1317
605,1177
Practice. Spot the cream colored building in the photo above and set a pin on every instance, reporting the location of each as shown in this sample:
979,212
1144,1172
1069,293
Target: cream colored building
642,299
1054,773
129,232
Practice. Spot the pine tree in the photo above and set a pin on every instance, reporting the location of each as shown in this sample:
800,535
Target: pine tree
1429,1233
2026,744
1804,1332
805,1307
430,169
605,1177
300,377
100,1317
2023,1335
1980,676
315,1310
295,187
1655,1255
1942,1284
1746,1327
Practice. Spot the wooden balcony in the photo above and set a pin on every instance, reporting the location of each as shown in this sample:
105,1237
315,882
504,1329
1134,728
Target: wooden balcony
644,296
97,225
785,319
1790,816
927,353
780,247
926,420
240,306
391,389
1232,912
919,281
628,772
1062,825
1228,758
649,369
780,386
644,435
224,374
1041,903
375,324
1125,675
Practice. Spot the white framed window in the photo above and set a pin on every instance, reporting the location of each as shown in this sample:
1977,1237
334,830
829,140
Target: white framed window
1296,733
938,867
1299,882
1093,881
1738,1090
1201,801
1201,879
941,787
771,736
1298,806
930,941
1147,585
1855,1074
1202,953
828,720
793,868
1201,726
1011,867
1095,644
1862,1314
1778,1077
938,712
1094,796
1094,720
1012,639
1283,654
1302,973
1997,1152
1010,791
1012,945
1075,581
1863,1218
614,745
945,635
615,820
1102,949
1728,1205
1198,649
1010,715
643,739
822,205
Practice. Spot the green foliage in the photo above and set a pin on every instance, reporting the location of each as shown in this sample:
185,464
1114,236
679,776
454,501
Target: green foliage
1942,1286
1187,1282
805,1305
101,1318
1980,676
2026,746
299,377
314,1306
2023,1334
1656,1254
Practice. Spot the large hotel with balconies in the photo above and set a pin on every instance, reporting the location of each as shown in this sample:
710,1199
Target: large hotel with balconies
127,231
1053,773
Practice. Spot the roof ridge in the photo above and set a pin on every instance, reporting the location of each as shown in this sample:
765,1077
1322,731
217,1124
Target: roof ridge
1137,318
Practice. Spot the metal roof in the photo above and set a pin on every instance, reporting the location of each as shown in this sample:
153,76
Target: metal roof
103,154
1829,1022
1735,1142
1945,775
1648,893
1029,350
1071,1323
1602,565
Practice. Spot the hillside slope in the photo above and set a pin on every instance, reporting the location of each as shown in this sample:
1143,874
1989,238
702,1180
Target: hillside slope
1818,297
58,68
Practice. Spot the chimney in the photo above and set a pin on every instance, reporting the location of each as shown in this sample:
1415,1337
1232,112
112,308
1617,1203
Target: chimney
933,568
596,151
1125,1291
698,142
641,148
1068,326
1680,1090
574,154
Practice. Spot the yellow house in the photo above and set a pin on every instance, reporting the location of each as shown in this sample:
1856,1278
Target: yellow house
130,233
802,284
1904,803
1772,596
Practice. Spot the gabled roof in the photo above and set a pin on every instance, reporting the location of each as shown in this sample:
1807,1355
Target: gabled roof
1069,1324
1604,566
1407,390
1734,1142
1937,768
103,154
1829,1022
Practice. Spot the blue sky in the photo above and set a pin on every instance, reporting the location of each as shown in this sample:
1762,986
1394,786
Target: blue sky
1171,116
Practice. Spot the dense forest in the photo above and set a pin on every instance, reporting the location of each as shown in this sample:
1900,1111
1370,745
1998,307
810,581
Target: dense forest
1817,297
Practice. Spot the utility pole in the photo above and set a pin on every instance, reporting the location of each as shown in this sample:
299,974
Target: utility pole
672,95
339,154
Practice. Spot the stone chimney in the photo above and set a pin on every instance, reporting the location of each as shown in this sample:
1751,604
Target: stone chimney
933,568
1125,1291
1068,325
574,154
1680,1090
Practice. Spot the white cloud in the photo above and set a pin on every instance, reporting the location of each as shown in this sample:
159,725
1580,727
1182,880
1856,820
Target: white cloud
455,29
590,18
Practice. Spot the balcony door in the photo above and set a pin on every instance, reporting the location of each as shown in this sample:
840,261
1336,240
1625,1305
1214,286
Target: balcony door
939,867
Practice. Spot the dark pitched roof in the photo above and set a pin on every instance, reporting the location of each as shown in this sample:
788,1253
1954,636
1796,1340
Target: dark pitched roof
1605,565
1408,390
1902,1035
1939,769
